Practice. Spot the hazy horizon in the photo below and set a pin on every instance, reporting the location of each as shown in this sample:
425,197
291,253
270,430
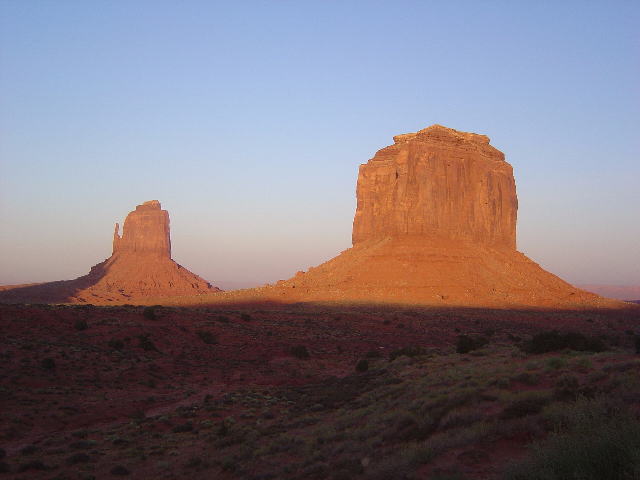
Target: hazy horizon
249,121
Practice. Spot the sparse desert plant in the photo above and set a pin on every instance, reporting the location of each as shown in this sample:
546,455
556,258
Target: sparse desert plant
566,387
246,317
78,458
466,343
409,351
207,337
528,403
527,378
146,344
81,324
299,351
362,365
595,443
637,342
149,313
552,341
373,354
556,363
120,470
116,344
183,428
48,363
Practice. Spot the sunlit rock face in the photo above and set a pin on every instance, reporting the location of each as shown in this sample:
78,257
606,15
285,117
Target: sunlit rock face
438,182
145,231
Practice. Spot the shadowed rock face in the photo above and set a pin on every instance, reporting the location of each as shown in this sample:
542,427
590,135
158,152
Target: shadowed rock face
438,182
139,268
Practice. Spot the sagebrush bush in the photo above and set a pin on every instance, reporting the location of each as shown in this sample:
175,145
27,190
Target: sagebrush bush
149,313
410,351
299,351
48,364
145,343
552,341
528,403
362,365
594,442
116,344
81,324
207,337
466,343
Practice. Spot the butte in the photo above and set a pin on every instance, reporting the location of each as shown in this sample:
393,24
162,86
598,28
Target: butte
140,268
435,224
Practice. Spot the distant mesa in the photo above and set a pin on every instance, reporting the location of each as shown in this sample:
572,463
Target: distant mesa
435,224
140,267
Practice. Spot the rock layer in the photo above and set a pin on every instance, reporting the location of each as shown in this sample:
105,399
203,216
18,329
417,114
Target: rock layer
139,268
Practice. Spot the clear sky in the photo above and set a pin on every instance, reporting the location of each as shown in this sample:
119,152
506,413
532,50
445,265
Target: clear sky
248,121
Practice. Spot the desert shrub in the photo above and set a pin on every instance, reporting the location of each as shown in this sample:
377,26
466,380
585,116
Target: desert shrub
246,317
566,387
78,458
637,342
222,319
120,470
556,363
146,344
373,354
48,363
528,403
149,313
595,442
362,365
33,465
28,450
116,344
81,324
460,417
207,337
409,351
466,343
183,428
194,462
299,351
552,341
528,378
406,427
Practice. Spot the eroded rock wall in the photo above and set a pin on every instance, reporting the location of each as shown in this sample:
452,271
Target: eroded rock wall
441,183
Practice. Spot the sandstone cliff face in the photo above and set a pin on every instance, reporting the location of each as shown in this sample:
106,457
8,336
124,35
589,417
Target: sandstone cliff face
438,182
145,232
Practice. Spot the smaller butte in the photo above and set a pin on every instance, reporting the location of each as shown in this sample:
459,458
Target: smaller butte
140,268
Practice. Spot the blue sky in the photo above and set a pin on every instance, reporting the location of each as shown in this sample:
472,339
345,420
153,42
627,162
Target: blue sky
248,121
